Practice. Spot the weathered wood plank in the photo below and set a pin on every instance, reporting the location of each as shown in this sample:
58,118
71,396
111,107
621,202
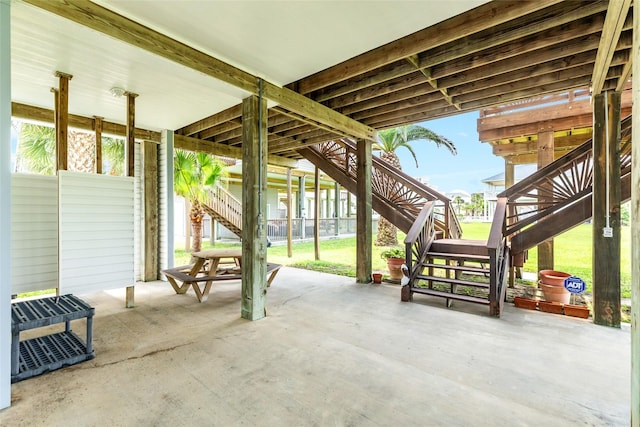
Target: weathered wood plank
254,202
616,16
487,15
364,239
545,157
98,130
151,216
130,139
606,204
195,144
30,112
62,120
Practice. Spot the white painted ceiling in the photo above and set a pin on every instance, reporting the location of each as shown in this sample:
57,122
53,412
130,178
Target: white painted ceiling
281,41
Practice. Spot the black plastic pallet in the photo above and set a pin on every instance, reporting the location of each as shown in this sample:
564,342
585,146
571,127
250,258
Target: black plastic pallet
48,353
36,356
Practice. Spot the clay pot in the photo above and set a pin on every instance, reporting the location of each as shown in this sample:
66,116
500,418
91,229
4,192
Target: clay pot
555,293
394,265
552,277
576,311
528,303
550,307
377,277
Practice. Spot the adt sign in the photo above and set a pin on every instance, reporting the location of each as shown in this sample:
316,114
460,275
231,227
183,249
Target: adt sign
575,285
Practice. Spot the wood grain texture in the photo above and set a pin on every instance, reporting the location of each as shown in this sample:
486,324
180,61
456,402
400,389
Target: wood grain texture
254,190
364,239
606,194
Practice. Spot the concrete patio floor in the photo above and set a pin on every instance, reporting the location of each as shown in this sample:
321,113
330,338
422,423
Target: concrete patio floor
330,352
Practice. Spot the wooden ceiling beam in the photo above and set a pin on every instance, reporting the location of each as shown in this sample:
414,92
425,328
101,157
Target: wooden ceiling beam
393,85
397,96
410,117
521,28
391,106
535,46
408,110
363,81
559,86
617,14
566,109
560,143
223,150
485,16
526,84
214,120
45,115
117,26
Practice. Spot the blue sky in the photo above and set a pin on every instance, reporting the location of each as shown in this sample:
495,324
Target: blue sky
446,172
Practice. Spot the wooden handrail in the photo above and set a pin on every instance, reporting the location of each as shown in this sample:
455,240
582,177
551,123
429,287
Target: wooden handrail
496,234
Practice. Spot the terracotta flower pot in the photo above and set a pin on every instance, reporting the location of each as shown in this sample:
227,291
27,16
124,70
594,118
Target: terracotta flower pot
377,277
394,265
550,307
528,303
576,311
555,293
552,277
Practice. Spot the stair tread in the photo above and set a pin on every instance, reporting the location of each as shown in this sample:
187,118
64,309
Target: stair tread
448,295
471,247
449,255
453,281
458,267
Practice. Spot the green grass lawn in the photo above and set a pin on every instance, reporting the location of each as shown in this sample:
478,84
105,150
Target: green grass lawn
572,254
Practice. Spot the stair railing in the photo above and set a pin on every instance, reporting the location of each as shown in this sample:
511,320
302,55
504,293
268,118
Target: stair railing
417,244
225,204
399,190
498,250
561,185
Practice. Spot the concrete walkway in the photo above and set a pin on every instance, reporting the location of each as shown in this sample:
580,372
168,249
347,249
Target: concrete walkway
330,353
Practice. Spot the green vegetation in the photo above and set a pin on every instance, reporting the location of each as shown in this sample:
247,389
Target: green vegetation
572,254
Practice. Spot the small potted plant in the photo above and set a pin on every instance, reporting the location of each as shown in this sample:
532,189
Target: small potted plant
395,257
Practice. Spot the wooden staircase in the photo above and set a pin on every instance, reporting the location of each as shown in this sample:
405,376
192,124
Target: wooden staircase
456,269
558,197
396,196
225,208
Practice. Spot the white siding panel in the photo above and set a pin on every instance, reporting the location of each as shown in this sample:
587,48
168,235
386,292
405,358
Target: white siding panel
165,200
96,232
34,233
137,213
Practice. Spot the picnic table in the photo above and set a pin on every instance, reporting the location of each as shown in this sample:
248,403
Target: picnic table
210,266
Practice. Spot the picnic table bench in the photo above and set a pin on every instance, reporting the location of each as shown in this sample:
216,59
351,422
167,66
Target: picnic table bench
193,275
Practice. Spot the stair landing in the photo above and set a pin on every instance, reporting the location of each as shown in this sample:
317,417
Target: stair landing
460,246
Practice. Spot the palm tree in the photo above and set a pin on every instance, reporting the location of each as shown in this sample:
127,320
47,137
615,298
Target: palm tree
192,174
36,150
389,140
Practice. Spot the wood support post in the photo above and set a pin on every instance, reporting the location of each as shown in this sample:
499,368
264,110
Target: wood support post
316,214
254,202
129,164
509,180
364,237
130,142
98,129
635,228
62,120
289,214
545,156
606,209
150,215
301,196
